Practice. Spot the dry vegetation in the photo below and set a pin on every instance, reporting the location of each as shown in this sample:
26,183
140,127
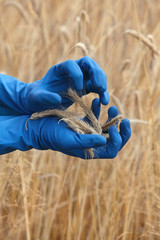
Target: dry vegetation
47,195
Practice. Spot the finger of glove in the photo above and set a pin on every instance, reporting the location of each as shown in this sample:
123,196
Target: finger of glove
96,74
83,141
45,99
112,112
73,72
114,143
96,108
125,131
104,97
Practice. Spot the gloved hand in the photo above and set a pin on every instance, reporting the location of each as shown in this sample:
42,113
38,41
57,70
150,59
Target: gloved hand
117,140
83,75
49,133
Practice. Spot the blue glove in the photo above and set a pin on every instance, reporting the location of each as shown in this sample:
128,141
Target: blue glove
116,140
14,94
49,133
83,75
46,133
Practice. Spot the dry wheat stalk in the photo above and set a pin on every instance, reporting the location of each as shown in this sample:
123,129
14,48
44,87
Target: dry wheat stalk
88,111
64,31
20,8
111,122
76,124
84,15
73,122
80,45
147,41
125,64
26,212
118,103
144,39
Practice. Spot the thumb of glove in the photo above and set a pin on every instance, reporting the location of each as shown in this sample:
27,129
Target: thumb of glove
43,100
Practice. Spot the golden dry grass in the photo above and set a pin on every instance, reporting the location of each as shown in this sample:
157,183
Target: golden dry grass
47,195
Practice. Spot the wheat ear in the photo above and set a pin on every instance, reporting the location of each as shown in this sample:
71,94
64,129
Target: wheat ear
144,39
90,115
113,121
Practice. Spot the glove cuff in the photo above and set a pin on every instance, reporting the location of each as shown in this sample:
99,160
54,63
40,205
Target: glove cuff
10,97
14,134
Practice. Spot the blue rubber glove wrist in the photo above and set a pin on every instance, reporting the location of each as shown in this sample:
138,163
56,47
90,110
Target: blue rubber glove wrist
19,98
36,97
10,89
13,134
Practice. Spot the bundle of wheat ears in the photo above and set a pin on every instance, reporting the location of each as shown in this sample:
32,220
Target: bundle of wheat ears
79,125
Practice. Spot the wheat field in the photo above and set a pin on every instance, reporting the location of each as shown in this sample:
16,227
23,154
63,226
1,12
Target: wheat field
45,195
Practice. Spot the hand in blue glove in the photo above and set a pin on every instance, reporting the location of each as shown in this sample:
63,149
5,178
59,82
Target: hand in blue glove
49,133
110,147
83,75
116,140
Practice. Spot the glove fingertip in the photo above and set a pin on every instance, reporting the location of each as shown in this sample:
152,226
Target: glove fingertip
94,140
58,98
125,127
125,131
96,107
99,140
112,130
96,101
112,112
104,98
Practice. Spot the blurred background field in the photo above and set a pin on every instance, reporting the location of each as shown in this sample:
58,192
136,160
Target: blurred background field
49,196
